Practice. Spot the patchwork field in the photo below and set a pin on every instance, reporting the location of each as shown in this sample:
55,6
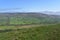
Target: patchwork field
27,18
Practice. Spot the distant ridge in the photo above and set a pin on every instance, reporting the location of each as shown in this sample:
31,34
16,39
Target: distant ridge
51,12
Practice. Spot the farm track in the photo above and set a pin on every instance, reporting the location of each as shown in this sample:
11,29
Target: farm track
16,28
30,26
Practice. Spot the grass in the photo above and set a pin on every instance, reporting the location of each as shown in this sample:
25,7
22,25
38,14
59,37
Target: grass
47,32
29,32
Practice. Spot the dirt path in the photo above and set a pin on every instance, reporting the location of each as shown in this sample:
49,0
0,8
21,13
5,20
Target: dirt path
30,26
23,26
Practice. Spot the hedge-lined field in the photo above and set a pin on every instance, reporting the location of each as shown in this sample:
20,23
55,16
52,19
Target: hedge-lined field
27,18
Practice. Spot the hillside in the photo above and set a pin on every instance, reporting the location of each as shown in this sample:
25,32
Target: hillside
29,26
46,32
27,18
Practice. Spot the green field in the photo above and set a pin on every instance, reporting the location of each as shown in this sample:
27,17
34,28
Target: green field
29,26
27,18
46,32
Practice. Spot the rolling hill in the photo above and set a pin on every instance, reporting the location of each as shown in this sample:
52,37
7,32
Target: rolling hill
27,18
46,27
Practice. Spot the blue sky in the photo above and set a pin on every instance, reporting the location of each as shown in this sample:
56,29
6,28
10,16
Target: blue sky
31,5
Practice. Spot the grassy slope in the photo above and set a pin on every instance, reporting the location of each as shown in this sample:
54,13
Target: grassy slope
49,32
